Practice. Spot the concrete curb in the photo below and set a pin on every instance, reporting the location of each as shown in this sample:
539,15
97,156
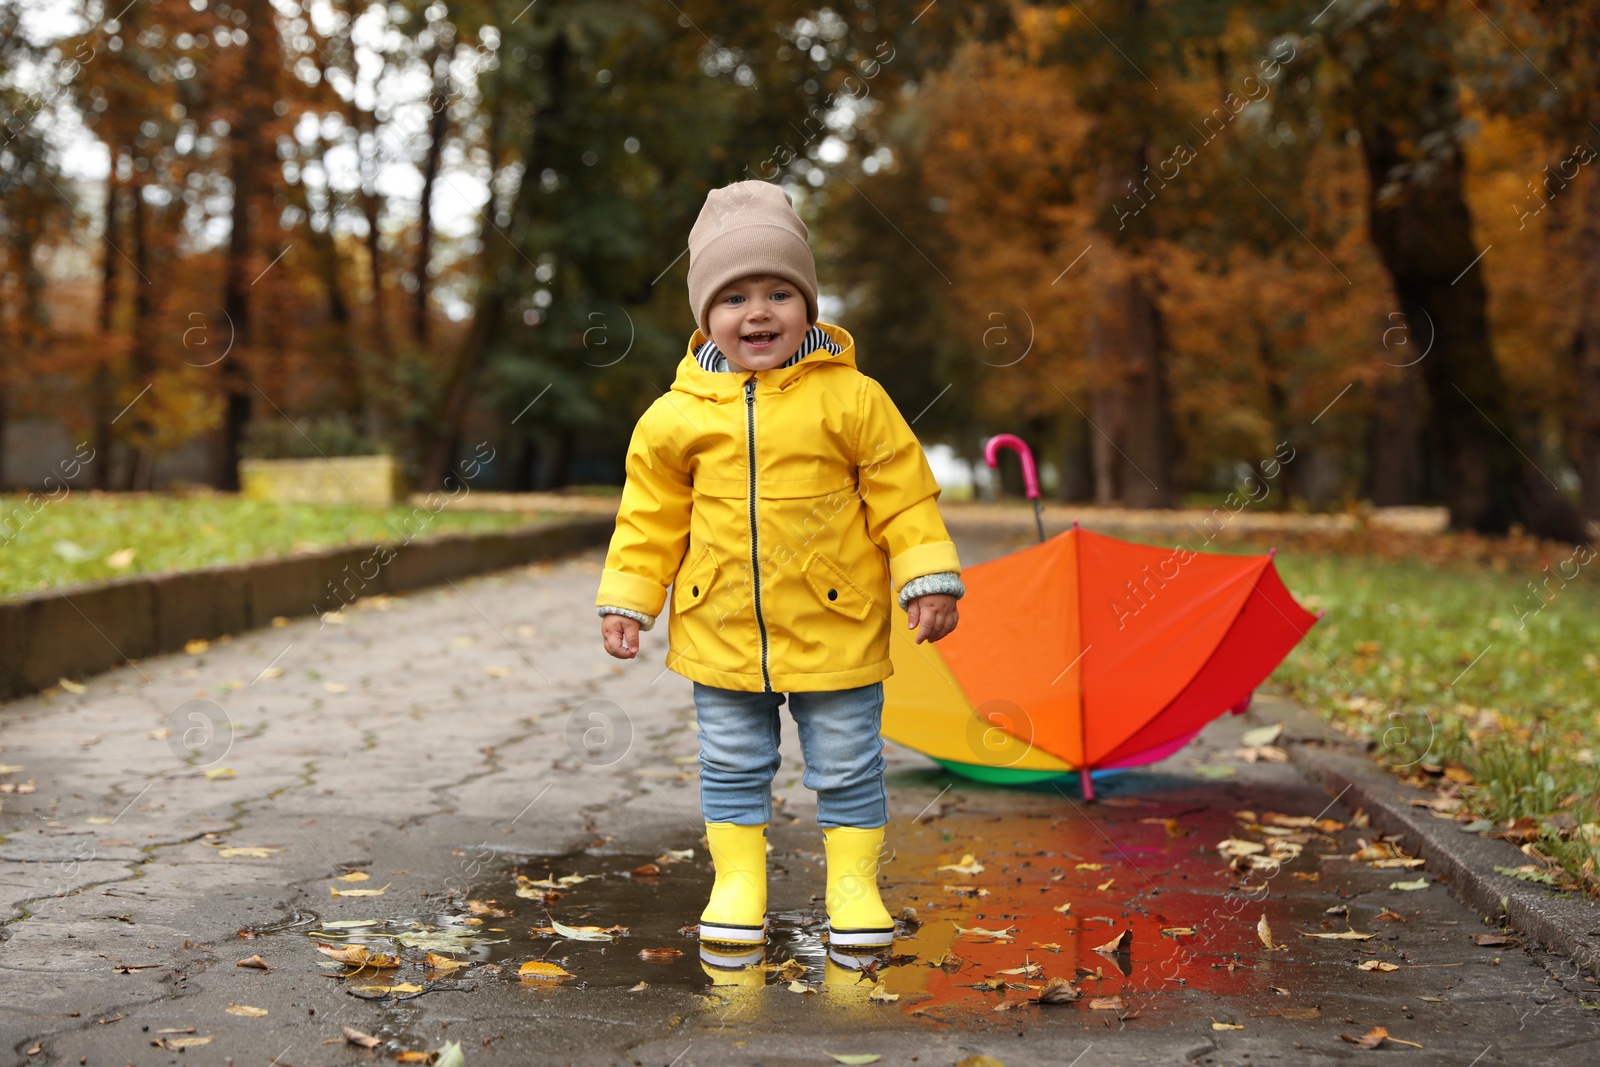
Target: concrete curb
88,629
1466,863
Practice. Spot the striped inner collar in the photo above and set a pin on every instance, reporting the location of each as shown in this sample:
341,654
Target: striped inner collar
711,358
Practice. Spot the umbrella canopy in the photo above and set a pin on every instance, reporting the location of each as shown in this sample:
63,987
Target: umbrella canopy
1085,653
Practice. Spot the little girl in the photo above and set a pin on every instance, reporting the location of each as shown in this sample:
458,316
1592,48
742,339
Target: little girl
780,494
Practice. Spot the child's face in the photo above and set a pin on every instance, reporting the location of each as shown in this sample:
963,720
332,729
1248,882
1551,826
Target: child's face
758,321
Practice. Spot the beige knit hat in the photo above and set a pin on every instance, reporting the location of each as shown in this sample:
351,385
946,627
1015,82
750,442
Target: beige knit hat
746,228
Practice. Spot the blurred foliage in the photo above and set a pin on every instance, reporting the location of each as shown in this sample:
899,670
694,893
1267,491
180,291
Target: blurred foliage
972,174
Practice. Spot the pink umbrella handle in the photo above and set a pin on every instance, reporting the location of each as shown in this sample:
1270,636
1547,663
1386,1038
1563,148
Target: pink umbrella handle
1030,474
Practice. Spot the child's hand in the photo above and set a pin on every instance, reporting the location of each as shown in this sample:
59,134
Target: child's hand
936,612
621,635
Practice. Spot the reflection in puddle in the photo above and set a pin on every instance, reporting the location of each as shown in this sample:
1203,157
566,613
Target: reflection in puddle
1129,903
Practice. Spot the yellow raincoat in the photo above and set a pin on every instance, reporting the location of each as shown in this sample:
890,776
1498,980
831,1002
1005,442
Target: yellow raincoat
837,503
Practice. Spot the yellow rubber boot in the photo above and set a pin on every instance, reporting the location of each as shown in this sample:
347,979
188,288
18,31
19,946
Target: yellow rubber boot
857,920
737,911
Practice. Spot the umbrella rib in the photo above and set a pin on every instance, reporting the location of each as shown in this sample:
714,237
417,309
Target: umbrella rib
1103,834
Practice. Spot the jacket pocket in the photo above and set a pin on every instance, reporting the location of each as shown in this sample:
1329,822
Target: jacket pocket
693,585
835,588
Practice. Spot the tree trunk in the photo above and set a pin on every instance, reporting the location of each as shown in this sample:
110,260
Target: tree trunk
1403,100
1077,465
372,209
438,101
1106,401
350,396
494,291
1395,469
1130,409
244,156
566,448
105,384
141,362
1583,415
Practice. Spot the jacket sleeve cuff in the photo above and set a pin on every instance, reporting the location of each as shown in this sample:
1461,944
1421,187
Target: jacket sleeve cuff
632,591
944,582
644,621
931,557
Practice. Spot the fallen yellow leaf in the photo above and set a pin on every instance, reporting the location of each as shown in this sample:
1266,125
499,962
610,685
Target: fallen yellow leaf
444,963
1348,935
978,931
542,971
1120,943
358,956
246,1010
359,1037
969,865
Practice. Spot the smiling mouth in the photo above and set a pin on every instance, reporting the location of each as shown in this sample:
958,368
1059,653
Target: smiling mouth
759,340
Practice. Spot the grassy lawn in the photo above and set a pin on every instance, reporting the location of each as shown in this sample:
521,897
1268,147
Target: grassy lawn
1459,666
86,537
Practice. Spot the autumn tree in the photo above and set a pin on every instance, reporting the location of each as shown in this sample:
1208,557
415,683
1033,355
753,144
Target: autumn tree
1403,95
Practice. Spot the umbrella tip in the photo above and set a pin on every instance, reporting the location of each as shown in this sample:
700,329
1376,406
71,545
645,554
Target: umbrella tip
1074,524
1273,551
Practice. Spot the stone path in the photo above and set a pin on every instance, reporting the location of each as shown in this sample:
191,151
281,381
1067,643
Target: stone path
445,742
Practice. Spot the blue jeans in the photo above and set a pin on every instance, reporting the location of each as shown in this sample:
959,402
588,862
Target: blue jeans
839,739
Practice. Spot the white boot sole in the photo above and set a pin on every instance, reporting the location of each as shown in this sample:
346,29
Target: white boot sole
869,939
731,934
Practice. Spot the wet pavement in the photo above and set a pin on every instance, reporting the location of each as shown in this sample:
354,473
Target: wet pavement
502,785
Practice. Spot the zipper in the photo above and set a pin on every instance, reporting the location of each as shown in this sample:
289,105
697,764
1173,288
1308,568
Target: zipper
755,544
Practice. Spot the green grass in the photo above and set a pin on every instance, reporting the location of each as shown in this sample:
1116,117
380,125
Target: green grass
71,541
1462,663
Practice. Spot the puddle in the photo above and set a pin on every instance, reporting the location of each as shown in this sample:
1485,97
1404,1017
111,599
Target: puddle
1055,886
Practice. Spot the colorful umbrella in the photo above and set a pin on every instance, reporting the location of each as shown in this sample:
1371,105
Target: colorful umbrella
1087,653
